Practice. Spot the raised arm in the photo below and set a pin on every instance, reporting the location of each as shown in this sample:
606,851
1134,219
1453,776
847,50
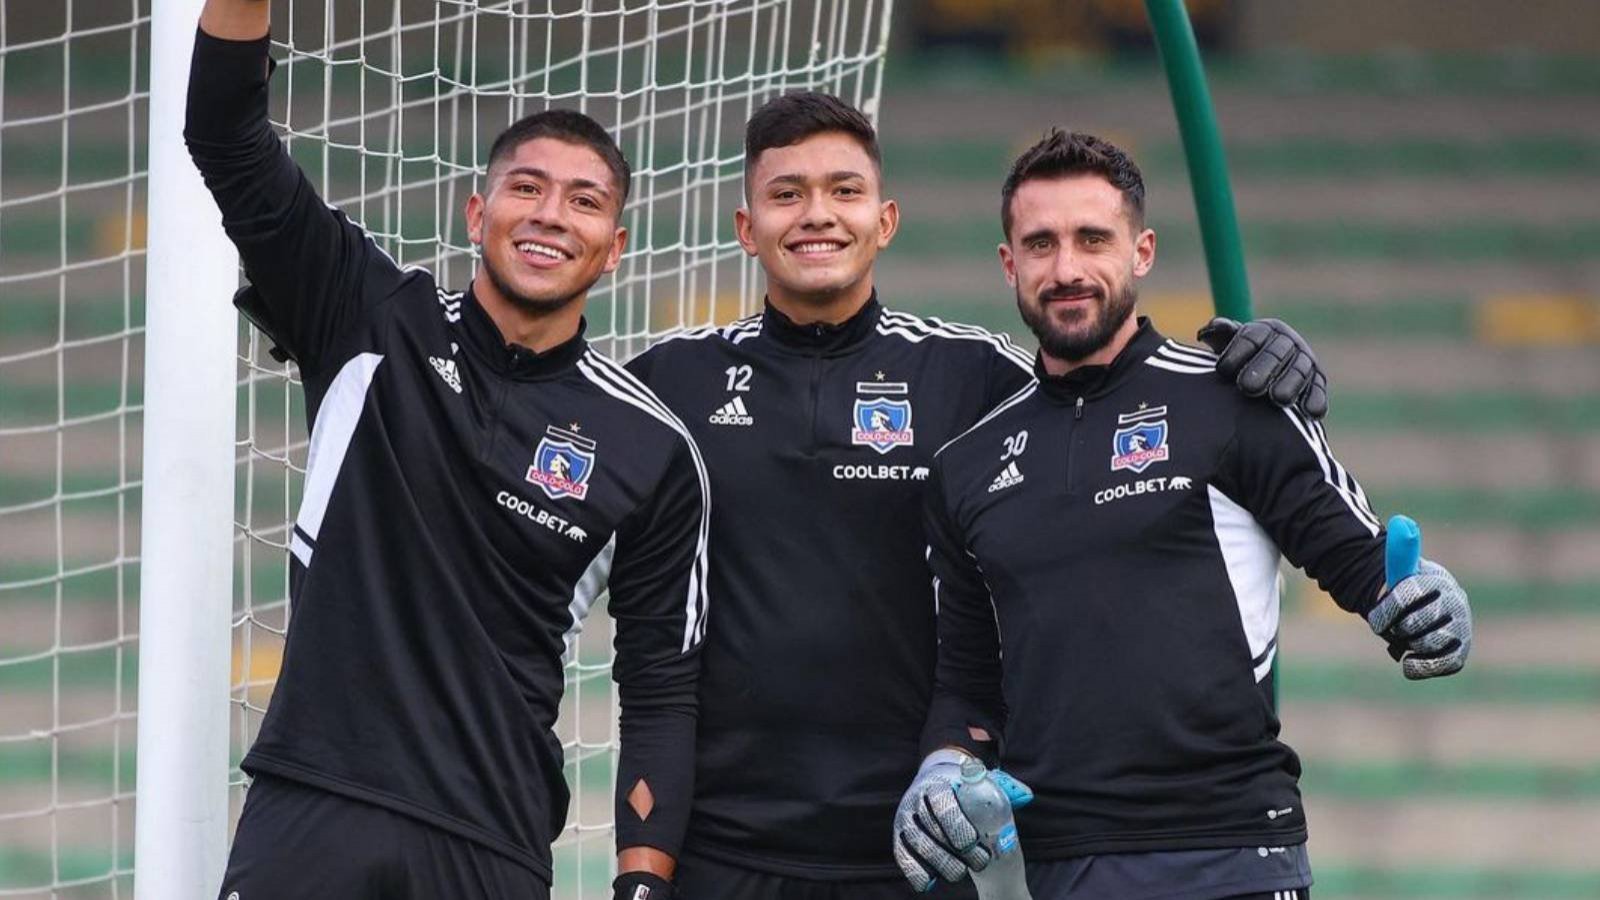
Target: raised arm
658,599
313,272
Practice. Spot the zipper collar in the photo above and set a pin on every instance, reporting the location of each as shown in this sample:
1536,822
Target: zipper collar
822,337
1089,382
515,360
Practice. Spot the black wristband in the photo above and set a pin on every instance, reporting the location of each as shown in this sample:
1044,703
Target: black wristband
641,886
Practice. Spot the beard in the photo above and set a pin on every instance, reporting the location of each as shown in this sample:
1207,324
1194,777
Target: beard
1087,333
538,306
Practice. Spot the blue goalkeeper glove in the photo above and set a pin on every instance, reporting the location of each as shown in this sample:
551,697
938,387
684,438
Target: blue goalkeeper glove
932,836
1424,615
1268,357
641,886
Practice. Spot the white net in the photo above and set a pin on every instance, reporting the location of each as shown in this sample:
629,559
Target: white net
389,105
72,148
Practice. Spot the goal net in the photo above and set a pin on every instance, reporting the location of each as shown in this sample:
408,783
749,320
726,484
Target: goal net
389,106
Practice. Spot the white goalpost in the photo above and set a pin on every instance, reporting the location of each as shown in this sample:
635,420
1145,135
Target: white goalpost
187,528
152,449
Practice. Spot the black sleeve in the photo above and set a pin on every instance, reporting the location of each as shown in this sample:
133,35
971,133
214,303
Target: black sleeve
1009,372
966,690
1281,469
315,272
658,598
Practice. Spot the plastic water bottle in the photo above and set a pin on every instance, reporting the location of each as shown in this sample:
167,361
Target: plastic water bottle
989,809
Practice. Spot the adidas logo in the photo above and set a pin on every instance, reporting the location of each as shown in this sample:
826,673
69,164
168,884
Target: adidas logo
448,371
1008,476
732,413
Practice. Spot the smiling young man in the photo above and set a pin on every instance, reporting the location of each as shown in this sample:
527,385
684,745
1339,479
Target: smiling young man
1106,545
476,477
819,418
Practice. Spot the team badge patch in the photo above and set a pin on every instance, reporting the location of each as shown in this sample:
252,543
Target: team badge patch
880,422
1140,440
562,464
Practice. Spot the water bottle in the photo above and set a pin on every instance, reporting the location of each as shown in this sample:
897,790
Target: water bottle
989,809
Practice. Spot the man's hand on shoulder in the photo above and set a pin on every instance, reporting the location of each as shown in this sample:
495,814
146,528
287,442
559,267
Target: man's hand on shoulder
1267,357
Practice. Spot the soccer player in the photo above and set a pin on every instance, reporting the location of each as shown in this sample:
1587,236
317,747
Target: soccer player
819,418
477,475
1105,545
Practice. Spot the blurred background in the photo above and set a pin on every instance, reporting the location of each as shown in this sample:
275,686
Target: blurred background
1417,184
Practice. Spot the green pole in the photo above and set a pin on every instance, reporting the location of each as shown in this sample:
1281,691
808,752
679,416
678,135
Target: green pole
1202,149
1208,170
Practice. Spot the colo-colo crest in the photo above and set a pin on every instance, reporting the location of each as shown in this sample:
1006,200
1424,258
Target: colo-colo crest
562,464
1140,440
878,420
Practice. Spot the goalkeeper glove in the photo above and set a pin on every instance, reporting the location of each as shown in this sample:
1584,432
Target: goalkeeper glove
931,833
1268,357
1424,615
641,886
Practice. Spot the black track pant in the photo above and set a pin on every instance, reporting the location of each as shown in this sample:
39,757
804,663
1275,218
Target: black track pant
699,878
298,842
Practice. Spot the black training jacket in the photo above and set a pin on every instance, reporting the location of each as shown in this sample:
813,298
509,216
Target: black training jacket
464,504
818,670
1122,527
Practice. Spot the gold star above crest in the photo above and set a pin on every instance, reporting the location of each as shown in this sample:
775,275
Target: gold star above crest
1142,405
575,427
880,374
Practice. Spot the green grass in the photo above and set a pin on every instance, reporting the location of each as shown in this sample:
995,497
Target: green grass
1508,599
1499,599
1379,683
31,763
44,403
93,669
1465,241
1464,883
20,868
1520,157
1294,73
32,317
1510,779
1466,412
1537,509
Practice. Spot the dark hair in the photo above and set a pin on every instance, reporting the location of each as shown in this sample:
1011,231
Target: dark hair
1073,153
572,127
790,119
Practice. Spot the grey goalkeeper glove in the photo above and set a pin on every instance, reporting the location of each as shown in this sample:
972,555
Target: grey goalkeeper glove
1266,356
1427,622
932,836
